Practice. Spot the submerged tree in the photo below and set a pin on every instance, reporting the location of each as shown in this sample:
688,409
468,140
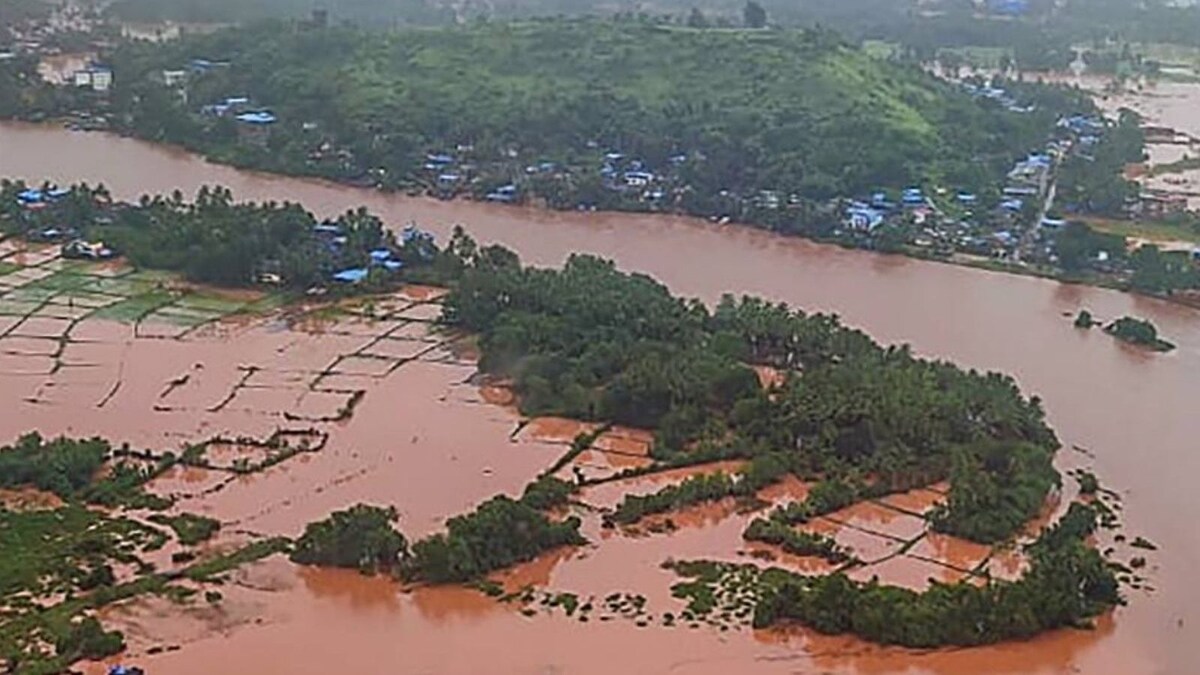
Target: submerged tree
361,537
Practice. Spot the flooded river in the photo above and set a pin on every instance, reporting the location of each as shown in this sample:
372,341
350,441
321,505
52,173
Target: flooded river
418,441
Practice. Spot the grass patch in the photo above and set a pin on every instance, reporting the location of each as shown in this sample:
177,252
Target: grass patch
177,316
31,293
210,303
979,57
1182,166
122,286
270,302
8,268
59,282
1140,229
131,310
56,551
12,307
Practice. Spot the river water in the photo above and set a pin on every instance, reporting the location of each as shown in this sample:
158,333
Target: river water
1133,412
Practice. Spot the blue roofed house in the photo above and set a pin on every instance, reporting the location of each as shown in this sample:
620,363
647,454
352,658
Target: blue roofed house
913,197
505,194
1020,191
353,275
31,196
1008,7
436,161
255,127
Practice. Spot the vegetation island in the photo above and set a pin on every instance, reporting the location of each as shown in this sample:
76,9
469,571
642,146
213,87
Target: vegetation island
1128,329
1138,332
853,419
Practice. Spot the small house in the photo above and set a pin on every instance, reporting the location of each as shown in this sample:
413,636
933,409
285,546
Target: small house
353,275
638,179
862,217
505,194
1020,191
79,249
31,196
174,78
95,77
255,127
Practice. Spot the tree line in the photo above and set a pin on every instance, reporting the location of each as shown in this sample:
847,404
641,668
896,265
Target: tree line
497,534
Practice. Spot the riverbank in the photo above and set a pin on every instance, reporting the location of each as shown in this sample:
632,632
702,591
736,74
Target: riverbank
1093,278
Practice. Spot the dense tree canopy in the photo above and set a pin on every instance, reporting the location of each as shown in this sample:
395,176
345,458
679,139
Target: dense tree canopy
212,239
591,342
361,537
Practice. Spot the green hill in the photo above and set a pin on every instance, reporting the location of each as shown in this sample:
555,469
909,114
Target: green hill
797,112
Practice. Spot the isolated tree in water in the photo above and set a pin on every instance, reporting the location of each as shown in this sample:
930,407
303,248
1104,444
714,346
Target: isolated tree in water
754,15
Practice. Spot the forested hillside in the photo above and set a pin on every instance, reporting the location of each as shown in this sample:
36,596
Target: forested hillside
737,111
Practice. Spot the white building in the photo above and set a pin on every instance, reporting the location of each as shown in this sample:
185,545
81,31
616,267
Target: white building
174,78
95,77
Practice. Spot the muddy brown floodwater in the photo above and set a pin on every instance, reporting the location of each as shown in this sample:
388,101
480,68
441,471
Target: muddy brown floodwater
434,448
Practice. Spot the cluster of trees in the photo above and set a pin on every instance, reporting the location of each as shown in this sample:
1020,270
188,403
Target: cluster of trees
1082,249
1067,584
89,471
65,467
214,239
86,640
1094,182
1039,38
593,343
995,488
1163,272
1138,332
366,12
361,537
499,533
